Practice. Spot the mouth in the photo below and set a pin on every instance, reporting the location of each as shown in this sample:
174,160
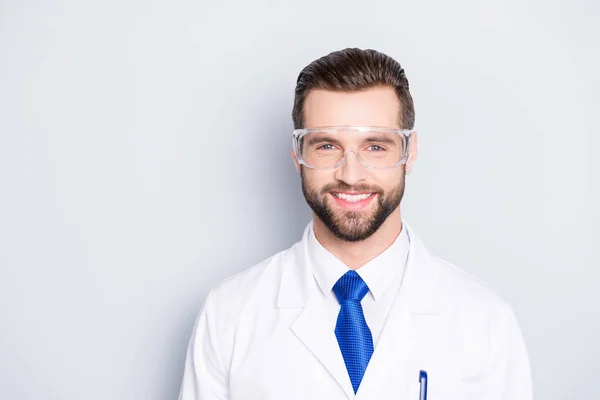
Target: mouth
353,200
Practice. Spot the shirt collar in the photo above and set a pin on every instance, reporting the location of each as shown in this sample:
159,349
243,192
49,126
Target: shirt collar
378,273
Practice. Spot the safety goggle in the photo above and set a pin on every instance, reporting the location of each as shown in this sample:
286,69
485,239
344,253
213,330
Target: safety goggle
374,147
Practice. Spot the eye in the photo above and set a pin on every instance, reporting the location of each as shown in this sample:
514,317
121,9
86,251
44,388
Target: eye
375,147
327,146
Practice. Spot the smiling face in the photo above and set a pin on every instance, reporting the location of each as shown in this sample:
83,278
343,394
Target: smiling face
352,201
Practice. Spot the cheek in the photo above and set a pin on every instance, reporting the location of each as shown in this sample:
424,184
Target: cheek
390,182
316,179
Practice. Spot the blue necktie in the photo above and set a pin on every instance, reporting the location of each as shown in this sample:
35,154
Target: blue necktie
351,330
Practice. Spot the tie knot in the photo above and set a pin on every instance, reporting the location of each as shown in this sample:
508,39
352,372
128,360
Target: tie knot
350,287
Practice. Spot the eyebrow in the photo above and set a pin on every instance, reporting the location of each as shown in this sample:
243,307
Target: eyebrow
380,139
369,139
321,139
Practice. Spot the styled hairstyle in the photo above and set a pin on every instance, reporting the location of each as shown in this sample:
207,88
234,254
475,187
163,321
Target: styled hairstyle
352,70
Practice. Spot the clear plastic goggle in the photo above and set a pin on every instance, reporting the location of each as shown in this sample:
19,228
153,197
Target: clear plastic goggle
374,147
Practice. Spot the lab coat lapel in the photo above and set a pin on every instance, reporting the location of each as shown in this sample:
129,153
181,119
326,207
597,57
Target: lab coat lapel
388,374
312,327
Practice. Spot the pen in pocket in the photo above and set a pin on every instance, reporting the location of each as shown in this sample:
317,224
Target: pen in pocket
423,382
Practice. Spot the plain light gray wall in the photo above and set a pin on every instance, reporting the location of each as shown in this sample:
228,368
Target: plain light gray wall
144,156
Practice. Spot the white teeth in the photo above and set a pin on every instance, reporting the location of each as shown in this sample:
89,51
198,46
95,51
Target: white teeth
353,197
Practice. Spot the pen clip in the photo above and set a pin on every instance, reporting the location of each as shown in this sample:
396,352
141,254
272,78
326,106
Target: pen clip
423,385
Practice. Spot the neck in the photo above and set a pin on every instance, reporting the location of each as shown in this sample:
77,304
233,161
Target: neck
356,254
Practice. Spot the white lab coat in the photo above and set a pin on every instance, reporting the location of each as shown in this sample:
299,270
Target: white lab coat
265,334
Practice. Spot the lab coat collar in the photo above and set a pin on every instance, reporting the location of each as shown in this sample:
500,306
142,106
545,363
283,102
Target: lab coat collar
378,273
419,283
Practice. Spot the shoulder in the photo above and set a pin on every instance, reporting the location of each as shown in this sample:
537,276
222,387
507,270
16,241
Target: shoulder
451,287
462,284
229,296
470,297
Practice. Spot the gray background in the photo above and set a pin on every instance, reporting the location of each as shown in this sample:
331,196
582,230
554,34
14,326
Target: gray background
144,156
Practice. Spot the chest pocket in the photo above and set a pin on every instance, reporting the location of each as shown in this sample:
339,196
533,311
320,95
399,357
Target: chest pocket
452,358
442,390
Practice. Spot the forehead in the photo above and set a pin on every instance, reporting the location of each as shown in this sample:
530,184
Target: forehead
377,106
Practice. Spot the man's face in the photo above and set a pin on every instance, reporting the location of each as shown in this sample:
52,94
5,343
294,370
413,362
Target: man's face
337,196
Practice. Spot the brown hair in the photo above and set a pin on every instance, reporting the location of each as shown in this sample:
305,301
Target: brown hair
351,70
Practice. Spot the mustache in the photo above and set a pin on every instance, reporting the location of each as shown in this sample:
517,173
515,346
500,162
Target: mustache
344,187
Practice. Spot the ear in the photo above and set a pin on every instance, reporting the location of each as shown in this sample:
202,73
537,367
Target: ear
296,163
412,156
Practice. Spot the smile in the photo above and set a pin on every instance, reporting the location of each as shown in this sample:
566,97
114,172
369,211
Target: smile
353,198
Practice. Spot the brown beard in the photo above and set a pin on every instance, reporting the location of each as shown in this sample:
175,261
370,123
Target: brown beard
352,226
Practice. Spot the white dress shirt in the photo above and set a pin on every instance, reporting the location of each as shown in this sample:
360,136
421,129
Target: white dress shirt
383,276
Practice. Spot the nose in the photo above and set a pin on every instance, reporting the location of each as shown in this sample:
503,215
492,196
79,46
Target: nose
351,171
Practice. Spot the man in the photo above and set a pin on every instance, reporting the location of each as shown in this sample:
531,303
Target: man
358,307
